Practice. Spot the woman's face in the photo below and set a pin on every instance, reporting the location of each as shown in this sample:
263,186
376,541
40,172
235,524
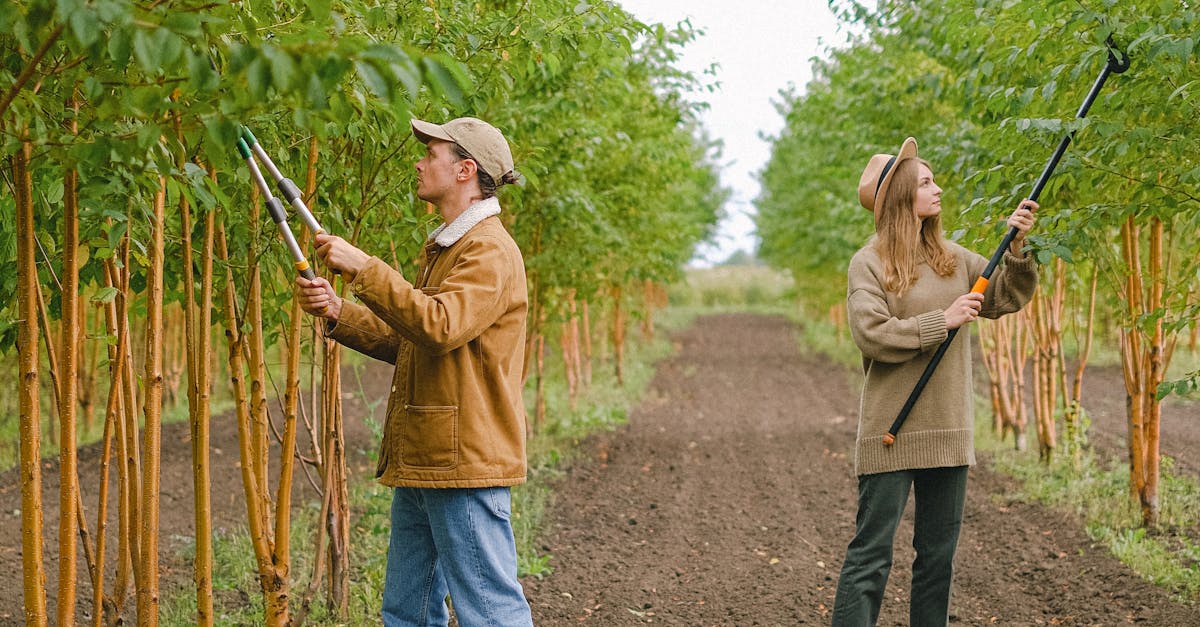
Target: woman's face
928,201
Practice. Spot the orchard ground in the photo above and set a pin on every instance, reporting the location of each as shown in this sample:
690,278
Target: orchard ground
728,499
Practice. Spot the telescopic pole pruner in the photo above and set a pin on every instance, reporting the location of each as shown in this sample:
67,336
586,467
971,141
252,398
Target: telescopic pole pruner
1117,63
275,208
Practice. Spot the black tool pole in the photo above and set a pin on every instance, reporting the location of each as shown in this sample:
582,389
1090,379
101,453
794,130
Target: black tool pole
275,208
1113,65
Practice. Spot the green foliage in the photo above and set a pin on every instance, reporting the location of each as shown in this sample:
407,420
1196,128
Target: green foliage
988,87
1187,386
610,197
620,183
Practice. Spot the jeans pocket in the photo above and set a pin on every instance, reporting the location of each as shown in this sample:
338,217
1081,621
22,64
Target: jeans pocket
500,500
429,437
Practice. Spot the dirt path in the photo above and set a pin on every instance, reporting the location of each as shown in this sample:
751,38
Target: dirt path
176,510
729,500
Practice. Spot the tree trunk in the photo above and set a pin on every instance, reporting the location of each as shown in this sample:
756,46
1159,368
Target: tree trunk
338,521
618,335
1143,364
89,351
539,403
587,345
1045,315
112,422
147,596
256,501
197,335
129,470
650,301
1074,410
68,528
1157,369
30,411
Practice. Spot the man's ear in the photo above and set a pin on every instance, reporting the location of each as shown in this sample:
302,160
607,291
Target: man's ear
467,169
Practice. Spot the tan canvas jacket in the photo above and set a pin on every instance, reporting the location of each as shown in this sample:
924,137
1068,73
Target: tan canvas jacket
455,416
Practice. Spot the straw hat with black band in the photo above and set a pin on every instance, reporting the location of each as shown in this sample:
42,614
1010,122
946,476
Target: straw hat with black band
877,177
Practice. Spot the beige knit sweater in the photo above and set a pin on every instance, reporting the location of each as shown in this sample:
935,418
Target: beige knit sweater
898,336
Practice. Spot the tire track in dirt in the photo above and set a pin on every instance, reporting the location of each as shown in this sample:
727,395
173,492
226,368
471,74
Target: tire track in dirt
729,499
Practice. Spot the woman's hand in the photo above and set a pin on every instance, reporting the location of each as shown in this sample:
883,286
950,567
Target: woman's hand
1022,220
317,298
964,309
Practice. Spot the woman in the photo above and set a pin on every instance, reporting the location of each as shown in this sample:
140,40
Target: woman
907,288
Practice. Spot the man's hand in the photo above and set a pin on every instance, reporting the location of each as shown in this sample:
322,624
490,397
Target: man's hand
317,298
340,256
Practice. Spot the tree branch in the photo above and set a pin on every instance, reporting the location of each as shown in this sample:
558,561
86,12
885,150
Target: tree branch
27,73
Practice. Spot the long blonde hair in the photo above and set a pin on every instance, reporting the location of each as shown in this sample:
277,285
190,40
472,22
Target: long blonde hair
901,237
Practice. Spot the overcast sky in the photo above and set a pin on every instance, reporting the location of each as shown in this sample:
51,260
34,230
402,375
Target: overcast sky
761,48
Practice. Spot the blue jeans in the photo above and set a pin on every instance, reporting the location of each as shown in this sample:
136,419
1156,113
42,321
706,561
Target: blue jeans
457,542
940,496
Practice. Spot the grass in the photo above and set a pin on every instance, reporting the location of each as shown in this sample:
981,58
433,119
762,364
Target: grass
1167,556
604,405
237,596
1098,491
733,288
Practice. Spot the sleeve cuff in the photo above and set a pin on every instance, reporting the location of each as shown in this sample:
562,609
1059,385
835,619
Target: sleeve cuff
1027,263
932,328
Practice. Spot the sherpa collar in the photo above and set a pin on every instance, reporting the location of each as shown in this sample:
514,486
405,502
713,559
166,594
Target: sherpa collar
447,234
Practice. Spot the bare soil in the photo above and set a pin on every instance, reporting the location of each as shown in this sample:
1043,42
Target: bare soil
728,499
177,510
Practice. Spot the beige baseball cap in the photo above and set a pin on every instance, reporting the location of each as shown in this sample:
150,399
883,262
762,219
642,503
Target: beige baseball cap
484,141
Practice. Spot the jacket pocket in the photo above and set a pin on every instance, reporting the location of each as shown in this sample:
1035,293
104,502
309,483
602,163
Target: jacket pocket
429,436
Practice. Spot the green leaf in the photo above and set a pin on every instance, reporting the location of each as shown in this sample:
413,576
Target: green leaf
148,49
443,82
258,77
54,192
66,9
201,75
283,69
118,47
319,10
184,24
315,94
85,27
373,79
105,295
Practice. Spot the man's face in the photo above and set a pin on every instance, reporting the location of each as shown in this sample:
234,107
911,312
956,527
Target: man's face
437,171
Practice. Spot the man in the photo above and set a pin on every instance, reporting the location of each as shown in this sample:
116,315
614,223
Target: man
454,438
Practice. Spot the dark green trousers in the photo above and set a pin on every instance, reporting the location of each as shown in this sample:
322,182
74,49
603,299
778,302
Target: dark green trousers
940,494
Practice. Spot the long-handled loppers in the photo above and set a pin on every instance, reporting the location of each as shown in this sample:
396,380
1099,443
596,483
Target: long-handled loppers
249,148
